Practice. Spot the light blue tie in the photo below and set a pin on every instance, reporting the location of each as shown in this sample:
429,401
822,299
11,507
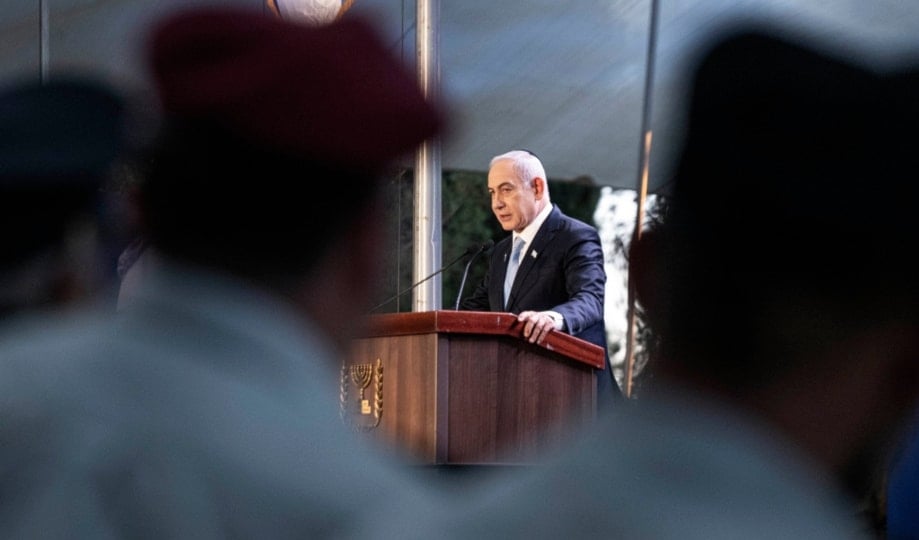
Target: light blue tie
512,267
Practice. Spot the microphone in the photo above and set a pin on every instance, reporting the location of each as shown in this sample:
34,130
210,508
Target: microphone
482,249
474,249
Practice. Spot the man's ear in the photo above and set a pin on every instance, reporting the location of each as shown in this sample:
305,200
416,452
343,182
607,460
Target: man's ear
539,187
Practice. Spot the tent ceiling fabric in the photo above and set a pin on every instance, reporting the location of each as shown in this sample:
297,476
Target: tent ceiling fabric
563,79
567,79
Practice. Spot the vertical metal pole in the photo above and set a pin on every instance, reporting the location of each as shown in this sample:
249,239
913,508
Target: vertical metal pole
43,44
427,219
642,189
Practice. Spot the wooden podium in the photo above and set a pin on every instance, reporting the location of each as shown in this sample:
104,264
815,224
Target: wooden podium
464,387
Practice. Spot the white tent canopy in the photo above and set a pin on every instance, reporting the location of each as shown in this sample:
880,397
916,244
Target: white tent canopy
563,79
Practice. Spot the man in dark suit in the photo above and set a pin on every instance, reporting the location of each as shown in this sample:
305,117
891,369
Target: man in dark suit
560,277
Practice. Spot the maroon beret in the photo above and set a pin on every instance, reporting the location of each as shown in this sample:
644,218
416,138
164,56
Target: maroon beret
333,93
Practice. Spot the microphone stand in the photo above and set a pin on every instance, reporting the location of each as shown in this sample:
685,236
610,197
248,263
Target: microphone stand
476,248
485,247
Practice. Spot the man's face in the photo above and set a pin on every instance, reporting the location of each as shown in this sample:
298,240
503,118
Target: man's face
514,203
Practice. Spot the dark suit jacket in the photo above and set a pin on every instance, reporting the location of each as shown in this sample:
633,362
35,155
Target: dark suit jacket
562,270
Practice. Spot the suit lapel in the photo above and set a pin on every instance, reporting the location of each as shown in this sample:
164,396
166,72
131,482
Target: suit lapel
529,258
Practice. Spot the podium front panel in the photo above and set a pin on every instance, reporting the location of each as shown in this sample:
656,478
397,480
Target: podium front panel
465,398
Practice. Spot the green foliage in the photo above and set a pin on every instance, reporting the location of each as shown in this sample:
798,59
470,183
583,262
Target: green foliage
577,199
467,221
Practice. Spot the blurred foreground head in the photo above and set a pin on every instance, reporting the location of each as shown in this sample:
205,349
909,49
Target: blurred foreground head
783,276
60,142
277,138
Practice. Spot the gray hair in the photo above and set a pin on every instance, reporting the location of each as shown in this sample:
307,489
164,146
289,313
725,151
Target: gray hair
526,165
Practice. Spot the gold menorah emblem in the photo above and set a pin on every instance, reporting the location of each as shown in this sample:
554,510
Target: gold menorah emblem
360,376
